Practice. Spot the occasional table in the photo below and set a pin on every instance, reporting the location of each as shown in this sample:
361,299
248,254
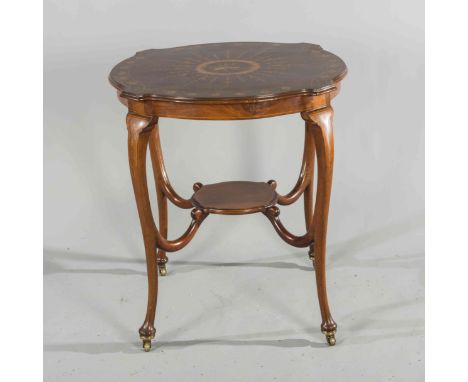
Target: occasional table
230,81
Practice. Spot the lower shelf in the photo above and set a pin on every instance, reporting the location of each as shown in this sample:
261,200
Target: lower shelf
235,198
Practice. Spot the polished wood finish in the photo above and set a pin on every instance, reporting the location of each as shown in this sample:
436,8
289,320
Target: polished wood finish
231,81
138,137
289,78
230,111
322,128
228,72
235,198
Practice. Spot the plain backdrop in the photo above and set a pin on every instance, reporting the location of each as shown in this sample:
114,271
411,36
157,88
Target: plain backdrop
379,133
378,189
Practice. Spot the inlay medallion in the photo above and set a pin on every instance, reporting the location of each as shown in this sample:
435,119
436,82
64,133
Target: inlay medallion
227,67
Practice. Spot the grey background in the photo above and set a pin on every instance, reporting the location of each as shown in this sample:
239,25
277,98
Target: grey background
238,303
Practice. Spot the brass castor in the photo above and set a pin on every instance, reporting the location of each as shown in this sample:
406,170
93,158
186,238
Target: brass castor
330,337
146,343
162,269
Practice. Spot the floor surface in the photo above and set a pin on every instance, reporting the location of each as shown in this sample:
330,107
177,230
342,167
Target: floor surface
240,311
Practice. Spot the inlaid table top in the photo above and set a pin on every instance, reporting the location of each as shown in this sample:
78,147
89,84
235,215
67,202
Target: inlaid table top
228,71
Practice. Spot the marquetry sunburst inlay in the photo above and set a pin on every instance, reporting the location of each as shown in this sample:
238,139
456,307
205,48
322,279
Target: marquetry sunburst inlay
227,70
227,67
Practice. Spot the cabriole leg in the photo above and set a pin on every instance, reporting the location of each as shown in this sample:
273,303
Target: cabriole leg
157,161
162,188
308,195
138,135
321,123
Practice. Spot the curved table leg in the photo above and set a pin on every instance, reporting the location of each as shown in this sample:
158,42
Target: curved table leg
308,209
164,191
143,130
158,169
308,195
304,185
156,160
321,123
138,135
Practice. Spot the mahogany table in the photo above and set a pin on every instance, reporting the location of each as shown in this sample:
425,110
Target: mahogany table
230,81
